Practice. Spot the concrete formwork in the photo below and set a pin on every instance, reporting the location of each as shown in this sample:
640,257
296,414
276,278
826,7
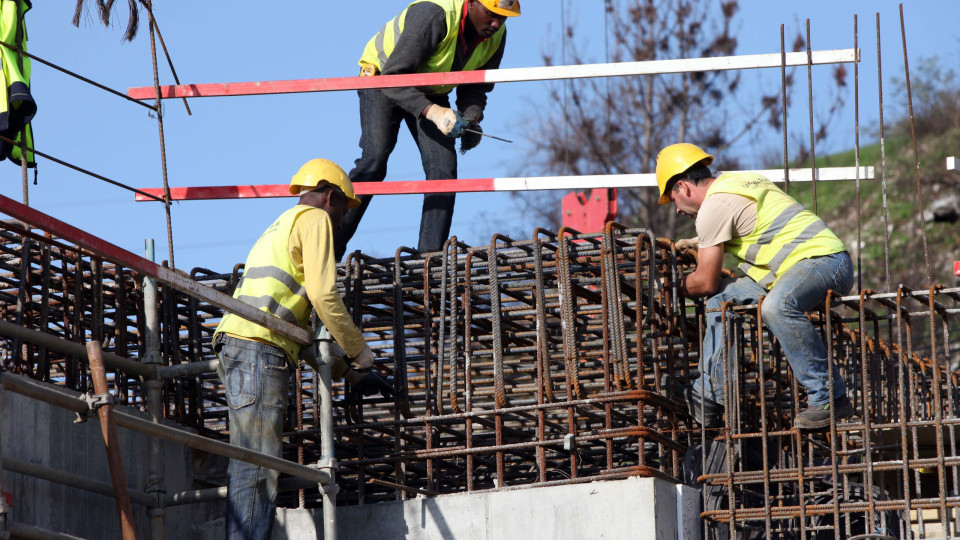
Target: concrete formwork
43,435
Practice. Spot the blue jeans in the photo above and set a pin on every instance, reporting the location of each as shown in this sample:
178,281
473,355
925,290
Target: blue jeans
380,119
784,312
256,381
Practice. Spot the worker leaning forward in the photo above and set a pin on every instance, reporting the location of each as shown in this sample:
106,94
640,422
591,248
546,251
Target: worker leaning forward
789,256
289,272
430,36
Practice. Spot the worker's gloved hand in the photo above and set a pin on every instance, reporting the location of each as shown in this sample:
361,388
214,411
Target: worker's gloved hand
367,382
687,243
470,140
365,359
447,120
473,115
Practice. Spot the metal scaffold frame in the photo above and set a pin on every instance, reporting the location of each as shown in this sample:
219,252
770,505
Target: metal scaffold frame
522,363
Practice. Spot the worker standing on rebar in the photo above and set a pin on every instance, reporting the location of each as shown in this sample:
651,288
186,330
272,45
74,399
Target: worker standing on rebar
430,36
790,257
290,271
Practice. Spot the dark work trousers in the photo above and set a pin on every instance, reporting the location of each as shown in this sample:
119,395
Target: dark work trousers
380,121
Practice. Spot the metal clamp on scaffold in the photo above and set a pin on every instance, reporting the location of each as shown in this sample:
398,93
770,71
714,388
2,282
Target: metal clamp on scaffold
94,402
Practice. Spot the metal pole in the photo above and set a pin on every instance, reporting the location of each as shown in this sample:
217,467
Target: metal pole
112,442
134,421
153,386
328,354
3,499
75,481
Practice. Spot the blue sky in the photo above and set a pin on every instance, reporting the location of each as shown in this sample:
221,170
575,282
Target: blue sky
264,139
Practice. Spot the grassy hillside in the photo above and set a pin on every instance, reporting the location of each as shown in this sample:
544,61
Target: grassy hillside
837,205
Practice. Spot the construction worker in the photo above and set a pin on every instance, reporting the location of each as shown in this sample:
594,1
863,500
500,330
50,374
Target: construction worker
289,270
790,257
430,36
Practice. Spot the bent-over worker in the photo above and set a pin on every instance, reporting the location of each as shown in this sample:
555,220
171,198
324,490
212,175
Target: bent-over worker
789,256
430,36
290,271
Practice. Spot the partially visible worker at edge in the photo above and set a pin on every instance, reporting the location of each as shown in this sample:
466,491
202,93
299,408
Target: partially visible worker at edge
789,256
430,36
290,271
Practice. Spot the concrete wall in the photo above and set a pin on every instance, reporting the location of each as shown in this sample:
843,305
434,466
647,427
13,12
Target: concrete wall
32,431
635,508
42,434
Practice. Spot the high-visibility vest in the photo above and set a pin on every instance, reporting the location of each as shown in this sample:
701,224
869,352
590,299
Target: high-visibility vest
17,107
380,47
273,284
785,232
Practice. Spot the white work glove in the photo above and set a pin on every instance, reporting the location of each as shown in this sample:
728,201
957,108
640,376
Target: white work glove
448,121
364,359
687,243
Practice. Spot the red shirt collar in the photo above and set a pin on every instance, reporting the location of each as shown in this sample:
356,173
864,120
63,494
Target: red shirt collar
463,27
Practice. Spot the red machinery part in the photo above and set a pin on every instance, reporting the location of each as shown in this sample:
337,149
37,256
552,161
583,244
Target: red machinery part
589,214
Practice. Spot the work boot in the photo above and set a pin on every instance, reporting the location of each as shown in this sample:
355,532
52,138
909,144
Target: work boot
818,417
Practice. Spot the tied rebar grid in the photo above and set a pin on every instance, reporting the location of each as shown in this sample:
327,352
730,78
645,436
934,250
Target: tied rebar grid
66,293
522,362
552,360
891,470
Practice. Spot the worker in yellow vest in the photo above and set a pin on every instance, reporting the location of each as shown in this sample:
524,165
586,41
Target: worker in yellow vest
789,257
289,272
429,36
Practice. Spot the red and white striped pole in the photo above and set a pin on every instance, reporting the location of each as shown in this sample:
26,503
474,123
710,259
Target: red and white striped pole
487,185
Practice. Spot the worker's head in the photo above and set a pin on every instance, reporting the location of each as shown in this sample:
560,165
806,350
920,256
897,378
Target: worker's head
682,174
487,16
323,184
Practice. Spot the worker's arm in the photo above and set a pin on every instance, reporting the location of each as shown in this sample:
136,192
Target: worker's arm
423,29
311,250
705,279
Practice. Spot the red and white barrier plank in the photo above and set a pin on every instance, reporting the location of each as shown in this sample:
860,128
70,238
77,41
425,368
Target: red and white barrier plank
543,73
488,185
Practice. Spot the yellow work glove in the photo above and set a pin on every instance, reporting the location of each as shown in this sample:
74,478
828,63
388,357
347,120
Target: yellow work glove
687,243
448,121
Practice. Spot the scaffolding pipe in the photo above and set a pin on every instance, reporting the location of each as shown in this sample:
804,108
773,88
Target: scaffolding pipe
328,355
128,420
111,441
3,498
155,485
70,348
19,531
75,481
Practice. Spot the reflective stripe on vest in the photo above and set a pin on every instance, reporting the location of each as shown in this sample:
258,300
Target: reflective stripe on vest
785,232
380,46
273,284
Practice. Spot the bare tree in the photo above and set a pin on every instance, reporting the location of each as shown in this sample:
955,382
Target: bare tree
618,125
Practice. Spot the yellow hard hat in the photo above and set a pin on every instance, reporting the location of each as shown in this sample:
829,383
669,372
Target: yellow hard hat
507,8
316,171
676,159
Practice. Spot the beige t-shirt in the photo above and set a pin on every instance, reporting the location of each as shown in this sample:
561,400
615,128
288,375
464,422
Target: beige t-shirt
724,216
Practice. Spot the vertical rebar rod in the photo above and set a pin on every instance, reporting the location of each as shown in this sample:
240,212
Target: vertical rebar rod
856,148
883,169
813,139
783,107
163,150
916,153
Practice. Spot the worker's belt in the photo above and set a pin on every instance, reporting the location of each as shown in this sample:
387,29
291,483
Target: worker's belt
368,70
